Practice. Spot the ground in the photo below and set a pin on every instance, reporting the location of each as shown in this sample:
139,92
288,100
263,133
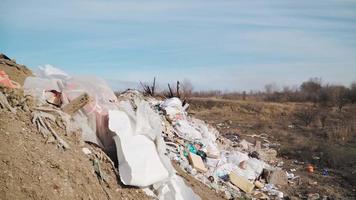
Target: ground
296,144
33,169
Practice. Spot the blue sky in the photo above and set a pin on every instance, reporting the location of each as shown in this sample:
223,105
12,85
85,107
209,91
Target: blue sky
234,45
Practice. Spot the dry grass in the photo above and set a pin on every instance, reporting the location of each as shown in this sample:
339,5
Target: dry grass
329,134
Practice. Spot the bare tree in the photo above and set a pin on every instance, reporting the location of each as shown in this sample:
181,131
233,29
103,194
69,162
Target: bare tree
271,88
149,90
340,96
306,115
352,93
170,93
311,89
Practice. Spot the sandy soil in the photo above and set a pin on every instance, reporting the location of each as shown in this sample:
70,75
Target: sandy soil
33,169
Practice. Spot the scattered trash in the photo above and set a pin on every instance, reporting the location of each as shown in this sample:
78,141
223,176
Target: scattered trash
7,82
312,182
254,154
53,97
243,183
310,168
147,134
290,175
259,185
197,162
313,196
86,151
278,177
268,155
325,172
245,145
260,195
76,104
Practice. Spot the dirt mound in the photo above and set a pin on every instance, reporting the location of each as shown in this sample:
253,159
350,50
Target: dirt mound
36,167
33,168
16,72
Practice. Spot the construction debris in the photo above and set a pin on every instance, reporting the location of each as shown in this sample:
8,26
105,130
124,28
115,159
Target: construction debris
197,162
41,119
243,183
258,184
75,105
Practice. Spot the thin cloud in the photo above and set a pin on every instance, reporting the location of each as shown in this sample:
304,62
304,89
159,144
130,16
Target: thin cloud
235,44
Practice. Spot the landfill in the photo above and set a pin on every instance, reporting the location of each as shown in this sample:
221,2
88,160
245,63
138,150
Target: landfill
150,137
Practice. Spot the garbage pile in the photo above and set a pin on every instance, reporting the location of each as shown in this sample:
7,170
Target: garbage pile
235,170
146,135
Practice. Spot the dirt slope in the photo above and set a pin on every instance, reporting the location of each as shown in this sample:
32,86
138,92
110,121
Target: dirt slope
33,169
16,72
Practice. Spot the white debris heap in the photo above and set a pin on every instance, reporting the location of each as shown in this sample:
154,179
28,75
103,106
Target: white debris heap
148,135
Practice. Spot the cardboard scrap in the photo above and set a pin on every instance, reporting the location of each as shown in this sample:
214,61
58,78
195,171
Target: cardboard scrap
77,103
259,185
197,162
241,182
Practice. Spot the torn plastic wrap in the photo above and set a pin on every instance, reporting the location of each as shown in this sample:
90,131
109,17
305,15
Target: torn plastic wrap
186,131
173,109
175,189
92,118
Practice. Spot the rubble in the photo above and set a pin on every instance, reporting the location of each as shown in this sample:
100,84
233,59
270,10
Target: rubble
197,162
278,177
260,195
258,184
243,183
76,104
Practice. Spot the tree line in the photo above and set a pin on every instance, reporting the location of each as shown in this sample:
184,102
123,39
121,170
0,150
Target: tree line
311,90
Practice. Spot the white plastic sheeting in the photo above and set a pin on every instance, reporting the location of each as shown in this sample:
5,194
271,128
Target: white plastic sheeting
141,151
93,118
139,144
135,132
186,131
139,163
253,168
175,189
231,161
173,108
49,71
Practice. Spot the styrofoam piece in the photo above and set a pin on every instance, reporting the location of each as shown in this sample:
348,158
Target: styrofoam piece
139,162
